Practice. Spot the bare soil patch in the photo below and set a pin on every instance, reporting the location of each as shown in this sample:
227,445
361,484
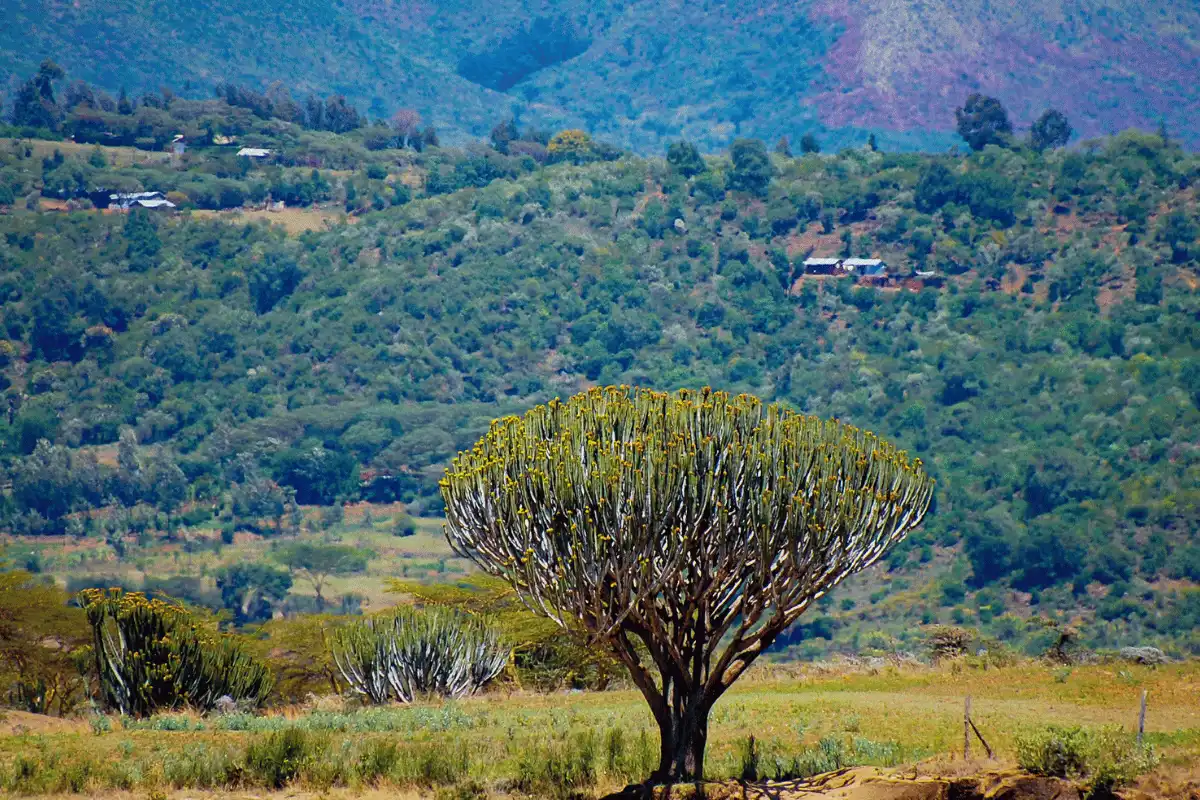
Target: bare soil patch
20,723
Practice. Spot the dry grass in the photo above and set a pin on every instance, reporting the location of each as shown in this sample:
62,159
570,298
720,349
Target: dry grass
336,793
918,710
117,156
913,711
22,723
294,220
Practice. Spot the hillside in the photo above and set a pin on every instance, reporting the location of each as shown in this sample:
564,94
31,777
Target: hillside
641,73
189,367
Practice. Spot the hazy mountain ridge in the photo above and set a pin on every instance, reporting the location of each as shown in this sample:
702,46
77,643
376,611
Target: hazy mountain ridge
1108,65
653,72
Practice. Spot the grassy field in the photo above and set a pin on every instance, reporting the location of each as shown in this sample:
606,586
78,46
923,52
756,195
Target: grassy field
530,744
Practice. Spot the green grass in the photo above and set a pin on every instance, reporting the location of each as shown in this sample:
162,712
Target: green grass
563,744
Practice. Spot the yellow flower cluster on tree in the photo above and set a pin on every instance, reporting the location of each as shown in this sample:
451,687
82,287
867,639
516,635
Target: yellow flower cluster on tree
572,144
691,527
9,351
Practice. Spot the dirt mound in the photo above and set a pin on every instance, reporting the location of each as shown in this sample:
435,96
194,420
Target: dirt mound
870,783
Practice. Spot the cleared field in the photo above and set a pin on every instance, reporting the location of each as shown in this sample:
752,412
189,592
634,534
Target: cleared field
293,220
909,717
117,156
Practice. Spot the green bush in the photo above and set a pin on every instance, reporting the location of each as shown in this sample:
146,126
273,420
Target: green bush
749,758
434,765
200,767
1103,759
279,758
831,753
376,760
630,760
561,771
407,720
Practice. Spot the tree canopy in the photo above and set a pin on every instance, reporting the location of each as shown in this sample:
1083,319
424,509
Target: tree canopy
1051,130
982,121
685,158
752,169
316,562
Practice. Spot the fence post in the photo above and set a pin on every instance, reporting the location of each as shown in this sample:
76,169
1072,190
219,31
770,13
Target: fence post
967,730
1142,720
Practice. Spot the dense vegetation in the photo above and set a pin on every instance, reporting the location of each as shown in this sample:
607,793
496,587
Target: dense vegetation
167,369
642,72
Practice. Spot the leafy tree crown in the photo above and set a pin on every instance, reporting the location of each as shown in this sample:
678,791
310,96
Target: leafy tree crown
621,498
1051,130
982,121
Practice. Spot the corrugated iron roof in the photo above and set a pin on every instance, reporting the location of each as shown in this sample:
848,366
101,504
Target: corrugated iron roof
131,196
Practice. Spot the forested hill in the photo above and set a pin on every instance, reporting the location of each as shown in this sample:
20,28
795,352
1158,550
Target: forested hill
179,365
643,72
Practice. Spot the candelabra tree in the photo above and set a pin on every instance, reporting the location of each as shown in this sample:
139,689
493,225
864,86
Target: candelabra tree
684,531
153,655
406,653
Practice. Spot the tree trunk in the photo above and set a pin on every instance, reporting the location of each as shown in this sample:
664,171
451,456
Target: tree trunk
684,735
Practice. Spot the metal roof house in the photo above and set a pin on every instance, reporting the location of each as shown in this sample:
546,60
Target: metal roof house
128,200
254,152
822,266
156,203
866,267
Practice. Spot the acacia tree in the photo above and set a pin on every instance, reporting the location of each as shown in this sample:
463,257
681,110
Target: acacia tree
683,531
316,562
407,124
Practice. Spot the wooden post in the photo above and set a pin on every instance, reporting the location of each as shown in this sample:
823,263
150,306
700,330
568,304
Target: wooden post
1142,719
967,730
